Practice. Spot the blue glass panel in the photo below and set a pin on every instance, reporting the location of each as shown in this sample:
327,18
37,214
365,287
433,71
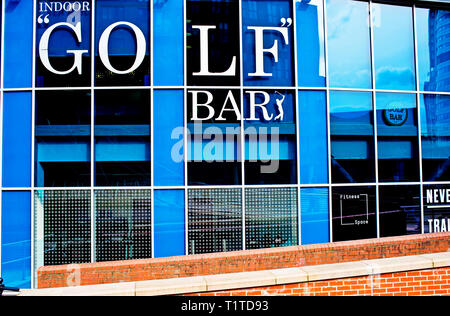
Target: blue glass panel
393,47
310,43
398,153
18,53
168,42
16,239
62,41
433,49
169,217
270,137
313,139
168,137
352,137
315,218
122,43
348,44
274,14
17,139
435,121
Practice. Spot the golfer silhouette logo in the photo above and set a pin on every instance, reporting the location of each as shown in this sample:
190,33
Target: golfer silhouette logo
279,102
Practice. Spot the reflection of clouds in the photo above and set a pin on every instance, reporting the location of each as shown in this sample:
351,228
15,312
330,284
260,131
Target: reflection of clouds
339,16
394,77
348,76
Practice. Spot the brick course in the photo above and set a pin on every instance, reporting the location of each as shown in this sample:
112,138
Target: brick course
430,282
242,261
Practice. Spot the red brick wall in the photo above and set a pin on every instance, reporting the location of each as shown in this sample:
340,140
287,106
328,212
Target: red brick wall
434,282
240,261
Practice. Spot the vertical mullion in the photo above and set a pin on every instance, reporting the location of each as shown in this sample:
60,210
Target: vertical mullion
92,164
152,158
185,141
33,106
327,82
419,123
2,44
375,123
297,127
242,134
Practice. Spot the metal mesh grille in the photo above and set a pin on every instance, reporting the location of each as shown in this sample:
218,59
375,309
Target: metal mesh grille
215,220
123,225
271,217
65,219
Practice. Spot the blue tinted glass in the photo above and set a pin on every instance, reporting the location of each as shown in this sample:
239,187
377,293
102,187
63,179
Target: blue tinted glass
313,137
315,218
270,137
63,151
310,43
433,49
18,53
17,139
168,137
435,120
393,47
122,138
214,150
168,42
67,29
262,68
123,43
169,217
398,156
348,38
352,137
16,239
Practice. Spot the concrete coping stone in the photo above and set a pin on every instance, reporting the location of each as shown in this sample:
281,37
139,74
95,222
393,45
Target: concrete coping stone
253,279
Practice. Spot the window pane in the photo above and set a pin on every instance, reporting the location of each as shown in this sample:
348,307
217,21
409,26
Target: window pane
169,224
271,217
168,107
16,140
433,49
399,210
393,47
310,43
315,217
66,43
268,69
122,138
435,120
18,54
352,137
123,225
270,137
16,239
436,200
354,213
214,150
214,220
348,27
222,51
63,150
313,137
168,34
62,227
124,62
398,156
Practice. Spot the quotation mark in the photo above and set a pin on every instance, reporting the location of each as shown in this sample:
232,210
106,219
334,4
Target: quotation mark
286,22
45,20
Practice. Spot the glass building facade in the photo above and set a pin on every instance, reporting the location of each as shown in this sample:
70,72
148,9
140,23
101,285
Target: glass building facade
144,129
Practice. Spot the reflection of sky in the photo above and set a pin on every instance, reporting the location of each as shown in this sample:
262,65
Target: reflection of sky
402,100
348,44
346,102
393,47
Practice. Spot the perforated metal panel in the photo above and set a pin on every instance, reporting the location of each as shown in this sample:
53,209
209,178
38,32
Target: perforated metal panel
214,220
122,225
271,217
65,219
